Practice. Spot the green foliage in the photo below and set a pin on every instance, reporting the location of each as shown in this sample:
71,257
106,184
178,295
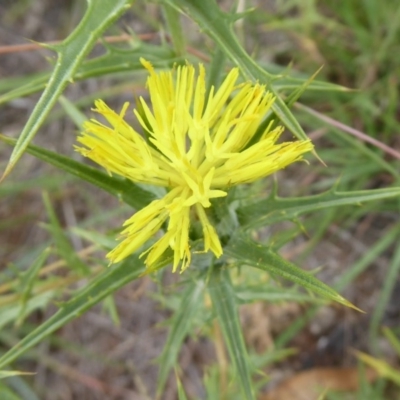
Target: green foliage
99,288
344,194
224,302
70,52
125,190
246,252
181,323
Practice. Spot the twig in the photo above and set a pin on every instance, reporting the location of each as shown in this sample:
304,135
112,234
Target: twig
36,45
358,134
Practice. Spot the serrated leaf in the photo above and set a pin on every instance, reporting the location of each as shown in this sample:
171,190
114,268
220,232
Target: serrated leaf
125,190
180,325
247,252
112,62
71,52
225,307
102,286
276,209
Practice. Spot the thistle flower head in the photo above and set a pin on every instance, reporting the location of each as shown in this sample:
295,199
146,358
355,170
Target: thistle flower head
197,148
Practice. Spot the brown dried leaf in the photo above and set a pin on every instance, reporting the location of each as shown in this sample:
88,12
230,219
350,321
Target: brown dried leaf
310,384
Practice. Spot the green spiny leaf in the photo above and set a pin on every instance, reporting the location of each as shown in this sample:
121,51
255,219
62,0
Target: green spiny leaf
247,252
112,62
71,52
125,190
218,25
276,209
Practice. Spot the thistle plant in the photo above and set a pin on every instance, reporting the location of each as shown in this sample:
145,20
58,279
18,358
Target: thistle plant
186,171
197,146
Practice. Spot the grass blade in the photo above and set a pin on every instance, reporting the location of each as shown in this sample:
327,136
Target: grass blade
102,286
64,247
181,323
225,307
384,298
27,281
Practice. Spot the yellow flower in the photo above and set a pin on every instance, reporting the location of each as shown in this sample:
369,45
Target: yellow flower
198,150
